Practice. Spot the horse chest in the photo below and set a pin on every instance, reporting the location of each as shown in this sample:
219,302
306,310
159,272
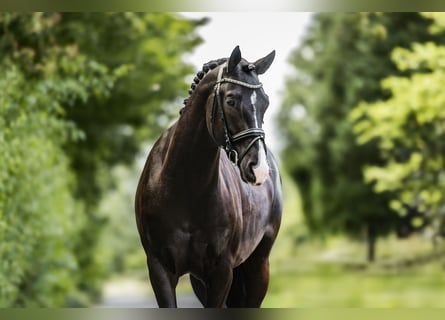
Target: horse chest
196,234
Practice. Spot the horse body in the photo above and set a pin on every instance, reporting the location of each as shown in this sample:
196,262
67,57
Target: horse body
196,215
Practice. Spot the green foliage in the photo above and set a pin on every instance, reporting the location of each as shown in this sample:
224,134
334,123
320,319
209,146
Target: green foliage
151,46
79,93
340,63
38,214
409,130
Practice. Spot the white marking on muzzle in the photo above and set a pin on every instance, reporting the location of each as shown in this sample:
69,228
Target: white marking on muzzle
261,170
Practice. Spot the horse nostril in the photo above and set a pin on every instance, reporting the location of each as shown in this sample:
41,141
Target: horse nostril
254,177
251,176
250,172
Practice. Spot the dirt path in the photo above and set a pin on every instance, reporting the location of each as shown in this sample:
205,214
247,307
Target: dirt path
131,293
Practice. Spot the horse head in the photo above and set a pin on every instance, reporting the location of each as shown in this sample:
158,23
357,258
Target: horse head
235,112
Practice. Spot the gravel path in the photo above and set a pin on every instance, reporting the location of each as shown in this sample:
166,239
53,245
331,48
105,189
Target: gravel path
130,293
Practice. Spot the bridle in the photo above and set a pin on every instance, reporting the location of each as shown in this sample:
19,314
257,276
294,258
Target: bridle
256,133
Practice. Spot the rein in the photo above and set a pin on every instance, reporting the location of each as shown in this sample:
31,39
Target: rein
256,133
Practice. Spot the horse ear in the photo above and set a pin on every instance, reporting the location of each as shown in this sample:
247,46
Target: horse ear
234,59
261,65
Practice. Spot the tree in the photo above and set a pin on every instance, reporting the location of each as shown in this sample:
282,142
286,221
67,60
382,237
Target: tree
79,94
410,133
39,217
341,62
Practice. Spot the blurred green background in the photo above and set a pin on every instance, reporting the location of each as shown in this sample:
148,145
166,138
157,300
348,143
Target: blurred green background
362,123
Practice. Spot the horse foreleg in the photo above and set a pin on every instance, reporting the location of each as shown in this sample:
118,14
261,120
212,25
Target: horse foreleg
256,280
163,283
218,285
199,289
237,295
256,273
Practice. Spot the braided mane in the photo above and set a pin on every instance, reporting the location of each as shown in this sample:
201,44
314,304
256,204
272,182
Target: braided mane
206,67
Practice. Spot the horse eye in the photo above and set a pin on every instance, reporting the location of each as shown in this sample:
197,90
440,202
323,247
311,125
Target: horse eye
230,102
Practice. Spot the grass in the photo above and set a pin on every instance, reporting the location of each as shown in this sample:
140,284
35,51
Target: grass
325,287
335,274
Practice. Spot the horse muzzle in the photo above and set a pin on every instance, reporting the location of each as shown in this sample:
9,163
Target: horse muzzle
256,172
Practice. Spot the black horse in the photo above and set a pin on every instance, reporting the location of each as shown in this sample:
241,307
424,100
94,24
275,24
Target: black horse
213,214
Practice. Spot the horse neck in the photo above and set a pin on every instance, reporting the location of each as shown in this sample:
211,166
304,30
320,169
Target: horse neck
192,154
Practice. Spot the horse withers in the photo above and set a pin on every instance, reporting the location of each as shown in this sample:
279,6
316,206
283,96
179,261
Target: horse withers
209,199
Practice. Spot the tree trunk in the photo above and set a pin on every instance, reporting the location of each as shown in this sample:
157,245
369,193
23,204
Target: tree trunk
371,243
